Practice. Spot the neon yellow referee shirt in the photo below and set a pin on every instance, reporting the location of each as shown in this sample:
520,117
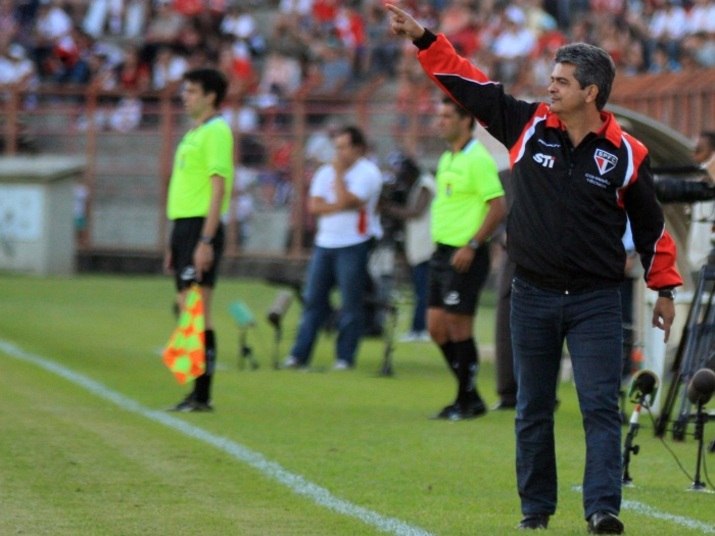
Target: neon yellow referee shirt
466,181
204,151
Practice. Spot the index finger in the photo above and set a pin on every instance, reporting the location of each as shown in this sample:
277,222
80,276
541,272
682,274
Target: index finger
394,9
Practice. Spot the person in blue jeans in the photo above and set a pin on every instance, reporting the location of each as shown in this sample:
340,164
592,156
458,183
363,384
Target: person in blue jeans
418,245
577,177
343,196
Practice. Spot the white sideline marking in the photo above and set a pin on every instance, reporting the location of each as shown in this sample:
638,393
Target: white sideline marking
649,511
646,510
292,481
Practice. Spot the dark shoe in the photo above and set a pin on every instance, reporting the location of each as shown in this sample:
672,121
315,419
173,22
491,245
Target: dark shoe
504,406
446,411
534,522
463,411
604,523
473,408
189,405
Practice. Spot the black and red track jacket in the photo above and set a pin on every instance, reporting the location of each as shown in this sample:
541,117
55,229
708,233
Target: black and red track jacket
567,221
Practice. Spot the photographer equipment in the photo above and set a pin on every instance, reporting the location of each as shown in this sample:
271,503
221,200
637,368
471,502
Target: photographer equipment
700,390
688,184
275,314
284,299
701,387
388,332
644,387
244,319
695,351
693,187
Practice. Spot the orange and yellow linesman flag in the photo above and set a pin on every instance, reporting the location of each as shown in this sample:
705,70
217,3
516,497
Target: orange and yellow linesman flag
185,353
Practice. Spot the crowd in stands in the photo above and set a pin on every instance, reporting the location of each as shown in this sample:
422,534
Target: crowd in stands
324,51
330,48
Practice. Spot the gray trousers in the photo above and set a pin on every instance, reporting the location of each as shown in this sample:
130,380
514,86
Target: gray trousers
506,384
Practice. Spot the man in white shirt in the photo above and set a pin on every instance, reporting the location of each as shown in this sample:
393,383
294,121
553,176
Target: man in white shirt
702,217
343,196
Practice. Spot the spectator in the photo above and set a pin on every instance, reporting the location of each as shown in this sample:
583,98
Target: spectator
382,54
54,48
700,47
343,196
661,60
80,203
15,67
281,77
350,28
9,24
163,29
104,16
458,21
701,18
512,45
323,15
633,62
329,72
136,13
235,61
296,14
167,68
702,217
133,79
241,25
667,27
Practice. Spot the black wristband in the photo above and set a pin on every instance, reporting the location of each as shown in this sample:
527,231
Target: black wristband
425,40
667,293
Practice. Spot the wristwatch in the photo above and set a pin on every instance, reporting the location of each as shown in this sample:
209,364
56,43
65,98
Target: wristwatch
667,293
204,239
473,244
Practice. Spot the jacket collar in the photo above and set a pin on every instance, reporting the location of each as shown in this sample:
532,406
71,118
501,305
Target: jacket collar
610,129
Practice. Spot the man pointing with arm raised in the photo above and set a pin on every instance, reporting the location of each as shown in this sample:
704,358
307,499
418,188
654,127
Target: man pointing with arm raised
577,176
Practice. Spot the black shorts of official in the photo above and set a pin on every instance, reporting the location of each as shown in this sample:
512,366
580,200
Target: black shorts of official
184,238
453,291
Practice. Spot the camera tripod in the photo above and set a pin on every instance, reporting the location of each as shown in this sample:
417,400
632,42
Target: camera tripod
696,350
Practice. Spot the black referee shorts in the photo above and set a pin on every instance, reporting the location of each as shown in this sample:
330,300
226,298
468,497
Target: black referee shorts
454,291
184,238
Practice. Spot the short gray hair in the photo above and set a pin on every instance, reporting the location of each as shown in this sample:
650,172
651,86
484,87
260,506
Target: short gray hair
593,66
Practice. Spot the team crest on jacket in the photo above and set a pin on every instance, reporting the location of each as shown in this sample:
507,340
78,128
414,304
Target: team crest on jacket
605,161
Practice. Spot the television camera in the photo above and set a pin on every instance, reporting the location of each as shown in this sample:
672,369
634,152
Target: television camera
682,184
403,173
689,184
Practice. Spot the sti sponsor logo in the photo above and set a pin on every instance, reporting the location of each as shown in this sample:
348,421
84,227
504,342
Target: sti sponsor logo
605,161
545,160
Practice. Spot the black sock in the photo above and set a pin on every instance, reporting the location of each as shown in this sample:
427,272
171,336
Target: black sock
467,358
202,386
449,356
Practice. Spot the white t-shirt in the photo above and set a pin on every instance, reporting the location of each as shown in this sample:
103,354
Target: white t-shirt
700,234
418,238
348,227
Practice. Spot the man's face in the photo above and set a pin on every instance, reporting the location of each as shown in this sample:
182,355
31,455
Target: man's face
196,103
565,92
702,151
345,151
450,125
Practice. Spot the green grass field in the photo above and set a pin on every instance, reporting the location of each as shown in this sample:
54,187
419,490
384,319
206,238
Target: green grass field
87,449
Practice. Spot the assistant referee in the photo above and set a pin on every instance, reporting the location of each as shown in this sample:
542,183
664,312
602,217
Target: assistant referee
199,194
